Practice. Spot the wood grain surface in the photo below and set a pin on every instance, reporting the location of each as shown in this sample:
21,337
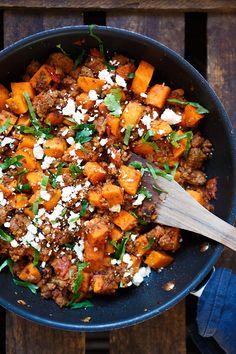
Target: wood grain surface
221,72
178,5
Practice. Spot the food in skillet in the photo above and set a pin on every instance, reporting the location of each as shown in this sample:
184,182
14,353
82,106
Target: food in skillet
73,211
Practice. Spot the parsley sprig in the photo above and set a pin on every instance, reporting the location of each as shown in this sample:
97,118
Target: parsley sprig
7,263
85,133
200,109
112,102
80,277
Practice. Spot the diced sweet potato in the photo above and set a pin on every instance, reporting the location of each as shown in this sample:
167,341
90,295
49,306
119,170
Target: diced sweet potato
24,120
4,115
125,220
126,69
28,161
142,78
30,273
9,189
83,99
4,95
94,255
140,243
27,141
29,213
129,179
85,282
94,172
52,202
18,88
178,151
72,152
160,129
132,114
116,234
101,285
197,195
109,248
143,149
113,194
35,178
158,95
97,231
19,201
158,259
190,116
17,104
114,125
55,147
54,118
95,198
41,79
87,83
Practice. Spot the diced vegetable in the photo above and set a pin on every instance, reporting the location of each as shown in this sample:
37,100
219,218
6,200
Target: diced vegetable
52,202
55,147
197,195
30,273
83,99
113,194
116,234
178,151
98,231
90,83
94,172
190,116
142,78
34,178
19,201
158,259
28,161
142,148
24,120
17,104
4,95
140,245
18,88
54,118
125,70
125,220
129,179
4,116
132,114
160,129
28,141
158,95
42,78
114,125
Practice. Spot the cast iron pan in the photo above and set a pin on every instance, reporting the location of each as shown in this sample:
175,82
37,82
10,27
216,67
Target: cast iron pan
133,305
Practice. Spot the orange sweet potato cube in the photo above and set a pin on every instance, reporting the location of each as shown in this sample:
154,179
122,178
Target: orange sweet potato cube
42,78
158,259
87,83
4,115
4,95
30,273
197,195
158,95
83,99
142,78
35,178
143,149
132,114
19,201
17,104
113,194
54,118
52,202
125,220
129,179
114,125
24,120
178,151
140,243
18,88
116,234
55,147
94,172
28,161
95,198
190,116
97,231
27,141
160,129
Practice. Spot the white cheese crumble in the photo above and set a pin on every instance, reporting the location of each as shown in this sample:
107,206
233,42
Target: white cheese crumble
7,141
56,212
140,275
31,228
78,249
115,208
47,162
144,95
103,142
3,201
45,195
38,151
14,243
92,94
105,75
146,120
67,193
140,131
139,200
70,140
127,259
171,117
7,224
120,81
65,132
69,109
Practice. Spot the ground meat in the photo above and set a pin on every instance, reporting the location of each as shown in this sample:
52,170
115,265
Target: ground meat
31,69
68,81
120,59
60,297
18,225
85,71
62,61
170,240
147,211
4,212
43,102
100,125
193,177
196,158
211,188
105,283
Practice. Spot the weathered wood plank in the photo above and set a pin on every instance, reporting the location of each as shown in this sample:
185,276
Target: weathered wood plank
168,28
158,332
222,77
24,337
163,334
21,23
178,5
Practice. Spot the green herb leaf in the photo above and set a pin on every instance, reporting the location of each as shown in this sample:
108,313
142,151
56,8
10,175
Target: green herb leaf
81,305
22,187
32,287
75,170
145,191
79,59
84,207
174,137
54,176
146,137
69,245
11,161
131,75
5,126
112,102
80,277
36,257
149,245
85,133
35,207
110,67
121,284
62,50
136,164
140,220
200,109
158,172
173,172
120,247
7,263
44,182
100,42
5,237
127,134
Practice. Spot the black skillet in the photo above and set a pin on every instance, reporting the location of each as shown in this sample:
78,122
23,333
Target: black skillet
130,306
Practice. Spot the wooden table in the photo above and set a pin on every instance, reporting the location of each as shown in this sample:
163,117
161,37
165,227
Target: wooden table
205,32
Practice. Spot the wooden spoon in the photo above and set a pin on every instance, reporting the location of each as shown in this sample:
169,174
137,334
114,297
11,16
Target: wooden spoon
175,207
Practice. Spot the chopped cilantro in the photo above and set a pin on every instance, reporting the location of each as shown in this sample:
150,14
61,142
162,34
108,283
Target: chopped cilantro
168,170
54,176
81,305
166,167
127,134
140,220
22,187
85,133
147,138
5,126
174,137
136,164
100,42
84,207
11,161
145,191
200,109
32,287
75,170
7,263
5,236
36,257
112,102
79,59
69,245
121,284
154,171
131,75
80,277
149,245
59,46
173,172
120,247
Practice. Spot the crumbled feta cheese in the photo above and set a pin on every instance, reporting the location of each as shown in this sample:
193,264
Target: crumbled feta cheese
67,193
56,212
7,224
65,132
103,142
47,162
70,140
133,237
139,200
171,117
14,243
31,228
105,75
155,114
78,249
69,109
43,264
120,81
146,120
115,208
38,152
140,131
111,165
92,95
3,201
45,195
140,275
144,95
7,141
